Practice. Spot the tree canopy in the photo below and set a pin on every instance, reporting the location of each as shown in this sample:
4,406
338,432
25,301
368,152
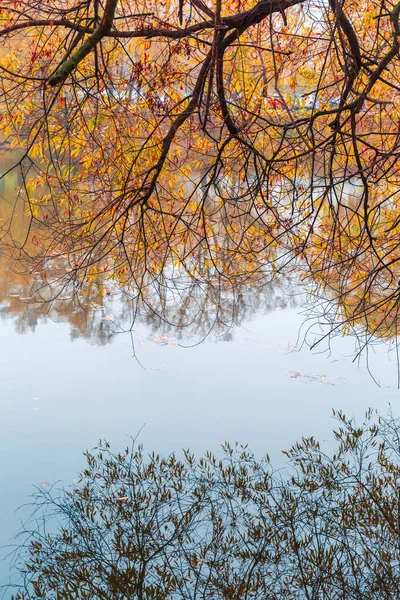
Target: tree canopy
217,141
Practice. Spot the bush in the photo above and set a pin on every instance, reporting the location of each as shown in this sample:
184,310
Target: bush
327,527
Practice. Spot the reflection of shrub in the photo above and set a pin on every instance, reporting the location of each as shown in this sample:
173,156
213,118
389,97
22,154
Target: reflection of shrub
148,527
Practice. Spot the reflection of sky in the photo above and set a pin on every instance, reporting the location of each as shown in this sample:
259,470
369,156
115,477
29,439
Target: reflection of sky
59,394
58,397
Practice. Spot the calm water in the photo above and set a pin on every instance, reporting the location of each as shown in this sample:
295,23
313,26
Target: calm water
59,395
64,383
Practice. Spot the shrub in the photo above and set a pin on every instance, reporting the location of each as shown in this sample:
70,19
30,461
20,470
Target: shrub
144,527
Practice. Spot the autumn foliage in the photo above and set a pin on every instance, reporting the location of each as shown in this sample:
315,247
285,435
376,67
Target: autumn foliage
214,141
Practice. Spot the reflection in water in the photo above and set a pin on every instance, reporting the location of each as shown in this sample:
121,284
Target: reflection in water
97,308
154,528
99,312
220,283
358,294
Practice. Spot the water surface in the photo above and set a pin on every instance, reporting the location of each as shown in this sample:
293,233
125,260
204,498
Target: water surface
66,382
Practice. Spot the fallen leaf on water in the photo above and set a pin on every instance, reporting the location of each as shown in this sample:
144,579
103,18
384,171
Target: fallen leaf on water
163,339
309,378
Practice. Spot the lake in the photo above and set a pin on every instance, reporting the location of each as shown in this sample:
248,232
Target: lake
61,392
79,370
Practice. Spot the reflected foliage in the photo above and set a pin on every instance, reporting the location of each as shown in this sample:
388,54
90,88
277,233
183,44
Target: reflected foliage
138,526
182,308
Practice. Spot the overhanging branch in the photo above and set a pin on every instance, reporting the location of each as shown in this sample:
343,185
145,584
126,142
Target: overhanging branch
70,65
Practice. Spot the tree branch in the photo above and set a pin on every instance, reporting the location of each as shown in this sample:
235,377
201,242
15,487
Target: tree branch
70,65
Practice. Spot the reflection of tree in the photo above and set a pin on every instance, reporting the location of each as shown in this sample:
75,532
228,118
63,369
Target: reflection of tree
210,284
210,294
200,308
83,315
353,273
148,527
96,312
